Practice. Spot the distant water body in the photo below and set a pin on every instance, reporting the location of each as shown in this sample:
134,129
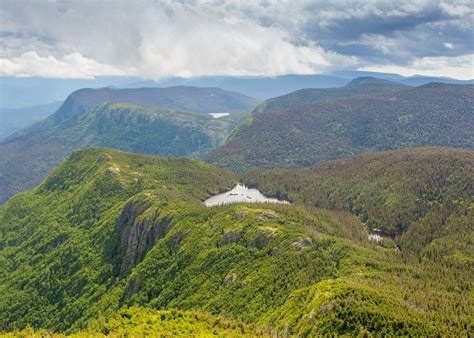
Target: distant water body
217,115
241,194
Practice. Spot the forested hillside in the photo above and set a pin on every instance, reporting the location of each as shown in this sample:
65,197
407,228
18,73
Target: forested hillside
108,230
26,160
311,126
413,194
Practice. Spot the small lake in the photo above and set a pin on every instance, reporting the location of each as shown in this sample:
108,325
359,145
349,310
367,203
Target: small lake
217,115
241,194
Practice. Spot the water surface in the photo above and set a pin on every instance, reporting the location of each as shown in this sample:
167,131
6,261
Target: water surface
217,115
241,194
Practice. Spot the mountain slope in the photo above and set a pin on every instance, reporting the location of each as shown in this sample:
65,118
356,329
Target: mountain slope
107,230
27,159
329,128
186,99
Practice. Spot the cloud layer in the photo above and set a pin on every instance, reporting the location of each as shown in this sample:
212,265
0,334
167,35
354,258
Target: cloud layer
157,39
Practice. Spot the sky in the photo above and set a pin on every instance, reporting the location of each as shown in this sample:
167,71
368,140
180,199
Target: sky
159,39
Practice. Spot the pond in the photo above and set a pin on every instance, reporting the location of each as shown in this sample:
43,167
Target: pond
241,194
217,115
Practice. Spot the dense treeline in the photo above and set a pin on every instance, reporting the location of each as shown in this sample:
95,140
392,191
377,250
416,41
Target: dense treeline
109,230
417,189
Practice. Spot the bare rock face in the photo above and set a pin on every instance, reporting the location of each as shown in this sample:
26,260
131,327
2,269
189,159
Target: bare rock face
230,237
139,234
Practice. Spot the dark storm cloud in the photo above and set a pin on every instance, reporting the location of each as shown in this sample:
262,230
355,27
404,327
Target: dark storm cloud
392,32
384,19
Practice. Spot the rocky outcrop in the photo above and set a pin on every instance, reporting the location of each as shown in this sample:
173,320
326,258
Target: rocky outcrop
139,233
230,237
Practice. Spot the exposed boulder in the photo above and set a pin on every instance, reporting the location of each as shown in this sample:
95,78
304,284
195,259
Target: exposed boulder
263,237
302,243
231,278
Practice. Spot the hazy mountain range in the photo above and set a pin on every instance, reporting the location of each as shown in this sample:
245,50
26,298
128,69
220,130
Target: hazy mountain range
23,101
21,92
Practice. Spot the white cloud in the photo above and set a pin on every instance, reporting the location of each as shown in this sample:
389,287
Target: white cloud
457,9
192,45
448,45
168,39
460,67
72,65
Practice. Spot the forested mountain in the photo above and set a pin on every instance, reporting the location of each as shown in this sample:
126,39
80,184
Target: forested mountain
187,99
27,159
311,126
108,230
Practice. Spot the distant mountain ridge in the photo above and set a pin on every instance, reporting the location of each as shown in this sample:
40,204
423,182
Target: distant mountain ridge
269,87
370,80
21,92
362,86
182,98
316,125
